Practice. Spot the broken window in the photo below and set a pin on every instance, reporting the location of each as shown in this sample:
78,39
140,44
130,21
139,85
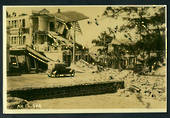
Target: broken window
41,39
51,26
60,27
26,30
65,32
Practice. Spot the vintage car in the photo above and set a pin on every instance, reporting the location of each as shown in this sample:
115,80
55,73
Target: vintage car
60,70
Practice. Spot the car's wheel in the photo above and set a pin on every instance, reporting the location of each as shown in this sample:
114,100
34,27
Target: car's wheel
73,73
57,76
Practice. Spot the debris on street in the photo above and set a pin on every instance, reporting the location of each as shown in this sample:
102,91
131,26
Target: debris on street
19,103
149,87
83,66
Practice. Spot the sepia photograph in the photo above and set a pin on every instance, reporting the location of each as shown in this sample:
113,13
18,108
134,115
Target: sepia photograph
85,59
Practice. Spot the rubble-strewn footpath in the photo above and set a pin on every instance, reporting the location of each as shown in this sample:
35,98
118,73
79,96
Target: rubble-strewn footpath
83,66
150,86
147,86
18,103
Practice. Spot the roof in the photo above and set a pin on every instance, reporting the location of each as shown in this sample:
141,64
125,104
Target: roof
43,11
70,16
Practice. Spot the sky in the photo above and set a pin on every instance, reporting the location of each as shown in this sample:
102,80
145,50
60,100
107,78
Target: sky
88,11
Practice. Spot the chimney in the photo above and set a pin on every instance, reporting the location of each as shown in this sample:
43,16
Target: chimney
59,11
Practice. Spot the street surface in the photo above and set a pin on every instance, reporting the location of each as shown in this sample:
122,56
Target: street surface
112,100
41,80
103,101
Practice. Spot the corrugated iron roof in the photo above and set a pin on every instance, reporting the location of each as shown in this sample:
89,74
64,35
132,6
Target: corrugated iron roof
70,16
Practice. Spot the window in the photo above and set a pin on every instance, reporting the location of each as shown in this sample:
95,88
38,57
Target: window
20,22
14,42
13,60
15,23
9,23
23,22
24,38
11,38
60,28
12,23
42,39
51,26
20,41
17,40
26,30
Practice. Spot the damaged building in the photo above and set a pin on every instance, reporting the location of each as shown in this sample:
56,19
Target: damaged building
36,39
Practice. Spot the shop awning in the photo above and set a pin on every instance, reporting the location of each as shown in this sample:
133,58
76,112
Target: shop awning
37,58
37,55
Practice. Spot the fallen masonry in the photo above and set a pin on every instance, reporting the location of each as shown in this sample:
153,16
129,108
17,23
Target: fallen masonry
148,87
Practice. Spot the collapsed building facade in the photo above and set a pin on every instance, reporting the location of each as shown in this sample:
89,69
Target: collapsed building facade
116,56
121,58
36,39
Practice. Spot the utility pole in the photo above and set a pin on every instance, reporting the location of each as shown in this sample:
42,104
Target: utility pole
74,39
